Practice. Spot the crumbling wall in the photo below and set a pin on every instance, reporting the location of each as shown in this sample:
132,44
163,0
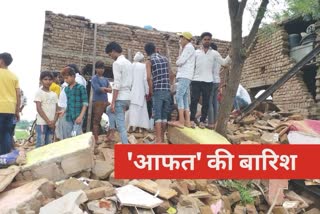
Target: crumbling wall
268,61
70,39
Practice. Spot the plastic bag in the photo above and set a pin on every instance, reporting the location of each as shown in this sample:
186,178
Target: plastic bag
76,130
9,159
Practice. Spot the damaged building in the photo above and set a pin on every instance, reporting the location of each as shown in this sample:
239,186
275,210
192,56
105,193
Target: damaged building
70,39
276,50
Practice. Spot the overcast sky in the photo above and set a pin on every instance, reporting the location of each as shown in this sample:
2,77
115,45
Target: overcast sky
22,25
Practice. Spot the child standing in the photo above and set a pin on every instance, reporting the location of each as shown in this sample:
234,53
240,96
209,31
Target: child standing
77,102
101,87
47,105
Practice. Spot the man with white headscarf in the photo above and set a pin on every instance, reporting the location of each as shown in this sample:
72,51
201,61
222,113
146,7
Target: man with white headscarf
137,116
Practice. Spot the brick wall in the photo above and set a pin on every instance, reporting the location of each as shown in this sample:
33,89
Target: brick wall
270,60
63,39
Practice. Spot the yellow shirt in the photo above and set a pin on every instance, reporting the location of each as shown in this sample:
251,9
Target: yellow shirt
8,97
55,88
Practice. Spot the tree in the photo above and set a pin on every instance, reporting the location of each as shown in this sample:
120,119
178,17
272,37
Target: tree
23,124
240,49
302,8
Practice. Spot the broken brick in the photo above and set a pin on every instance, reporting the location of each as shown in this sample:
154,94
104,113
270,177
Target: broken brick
234,197
100,192
117,182
102,169
213,190
70,185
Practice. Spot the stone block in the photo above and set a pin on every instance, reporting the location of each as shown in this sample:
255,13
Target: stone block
234,197
195,136
102,169
239,210
191,184
100,192
274,186
50,171
70,185
213,190
180,188
201,184
59,160
118,182
97,183
26,198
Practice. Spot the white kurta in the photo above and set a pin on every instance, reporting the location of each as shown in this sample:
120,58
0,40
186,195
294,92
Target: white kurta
137,115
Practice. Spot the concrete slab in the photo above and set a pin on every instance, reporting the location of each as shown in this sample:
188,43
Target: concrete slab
59,160
195,136
7,175
25,198
66,204
134,197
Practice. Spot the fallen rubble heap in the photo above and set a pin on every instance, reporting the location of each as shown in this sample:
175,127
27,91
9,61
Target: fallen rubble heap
49,183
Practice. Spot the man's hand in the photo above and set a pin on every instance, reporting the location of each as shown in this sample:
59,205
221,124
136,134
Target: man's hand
103,89
108,90
148,97
52,124
60,113
18,116
112,107
78,120
150,92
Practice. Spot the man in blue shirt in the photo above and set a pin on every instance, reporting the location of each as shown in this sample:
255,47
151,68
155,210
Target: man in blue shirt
101,87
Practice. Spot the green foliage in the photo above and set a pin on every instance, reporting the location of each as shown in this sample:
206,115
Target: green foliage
244,191
21,134
301,8
23,124
267,30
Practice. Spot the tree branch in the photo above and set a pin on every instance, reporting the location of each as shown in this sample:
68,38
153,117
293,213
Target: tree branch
255,27
233,7
242,5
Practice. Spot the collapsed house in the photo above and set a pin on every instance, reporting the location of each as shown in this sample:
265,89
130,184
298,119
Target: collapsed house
275,51
71,39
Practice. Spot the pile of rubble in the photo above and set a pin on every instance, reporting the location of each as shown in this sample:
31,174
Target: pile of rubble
73,177
261,128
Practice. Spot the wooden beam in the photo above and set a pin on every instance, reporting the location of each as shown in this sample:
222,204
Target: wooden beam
292,72
93,73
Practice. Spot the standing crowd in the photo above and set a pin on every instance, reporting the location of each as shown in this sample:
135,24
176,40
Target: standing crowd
140,90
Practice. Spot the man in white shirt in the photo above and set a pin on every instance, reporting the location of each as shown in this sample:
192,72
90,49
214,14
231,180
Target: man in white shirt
213,101
185,64
122,72
201,84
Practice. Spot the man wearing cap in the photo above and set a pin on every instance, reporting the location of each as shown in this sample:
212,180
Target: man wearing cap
9,102
201,84
185,64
